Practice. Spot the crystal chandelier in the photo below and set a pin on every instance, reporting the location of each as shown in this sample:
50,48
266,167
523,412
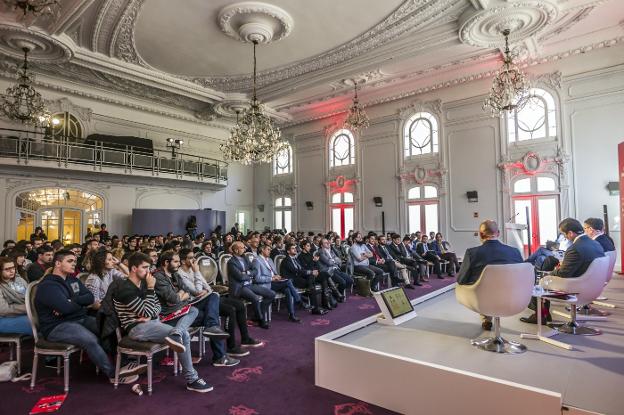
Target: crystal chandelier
510,87
21,102
35,7
357,118
253,139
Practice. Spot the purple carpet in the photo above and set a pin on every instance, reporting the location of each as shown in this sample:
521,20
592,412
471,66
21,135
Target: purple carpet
275,379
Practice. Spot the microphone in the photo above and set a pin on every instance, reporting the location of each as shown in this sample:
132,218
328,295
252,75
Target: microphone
512,217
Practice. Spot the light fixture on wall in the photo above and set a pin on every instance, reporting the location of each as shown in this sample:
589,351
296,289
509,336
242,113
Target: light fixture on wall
35,7
21,102
472,196
356,118
174,144
510,87
254,138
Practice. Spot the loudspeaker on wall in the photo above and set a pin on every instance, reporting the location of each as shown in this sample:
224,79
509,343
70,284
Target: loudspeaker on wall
378,201
309,205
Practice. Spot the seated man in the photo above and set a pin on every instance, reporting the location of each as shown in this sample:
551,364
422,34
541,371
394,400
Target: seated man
443,249
491,252
43,262
380,262
267,277
61,302
594,228
137,307
173,296
293,270
331,263
401,255
401,269
240,277
575,261
424,250
361,262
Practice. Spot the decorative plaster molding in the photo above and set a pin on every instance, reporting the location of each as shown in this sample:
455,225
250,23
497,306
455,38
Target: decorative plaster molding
434,106
108,18
567,21
422,175
532,163
359,79
282,189
252,20
123,45
43,48
552,79
65,105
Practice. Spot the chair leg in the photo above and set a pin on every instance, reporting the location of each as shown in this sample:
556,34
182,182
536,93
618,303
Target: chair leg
66,380
117,368
10,351
279,303
200,336
573,327
34,370
18,352
58,365
149,374
497,344
175,364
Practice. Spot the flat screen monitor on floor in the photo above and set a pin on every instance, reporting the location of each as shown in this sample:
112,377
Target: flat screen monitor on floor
397,302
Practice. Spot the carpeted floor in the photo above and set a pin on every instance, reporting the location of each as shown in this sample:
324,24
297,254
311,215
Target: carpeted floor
275,379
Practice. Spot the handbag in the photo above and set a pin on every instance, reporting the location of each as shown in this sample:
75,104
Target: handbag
363,287
8,371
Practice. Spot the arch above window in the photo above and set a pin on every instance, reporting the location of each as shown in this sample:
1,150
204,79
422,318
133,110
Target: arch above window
282,162
342,148
420,135
536,120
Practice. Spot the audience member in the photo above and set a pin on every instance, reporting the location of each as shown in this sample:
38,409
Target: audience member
292,269
105,269
44,260
594,228
13,318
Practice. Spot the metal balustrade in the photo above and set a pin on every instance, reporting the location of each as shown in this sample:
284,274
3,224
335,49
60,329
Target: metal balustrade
28,146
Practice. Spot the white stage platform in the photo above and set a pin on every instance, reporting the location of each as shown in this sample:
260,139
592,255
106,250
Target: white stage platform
427,365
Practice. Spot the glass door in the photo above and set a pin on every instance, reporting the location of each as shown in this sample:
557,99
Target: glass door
71,225
51,223
342,219
543,218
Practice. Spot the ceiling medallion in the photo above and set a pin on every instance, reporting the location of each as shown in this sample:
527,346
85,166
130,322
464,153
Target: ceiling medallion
356,118
254,138
510,88
255,22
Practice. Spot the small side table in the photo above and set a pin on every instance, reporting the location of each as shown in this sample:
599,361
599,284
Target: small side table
540,294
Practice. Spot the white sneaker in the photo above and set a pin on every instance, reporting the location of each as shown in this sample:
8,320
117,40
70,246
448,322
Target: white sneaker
174,344
132,368
125,380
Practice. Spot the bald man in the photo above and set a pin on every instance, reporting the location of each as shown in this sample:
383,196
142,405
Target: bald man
491,252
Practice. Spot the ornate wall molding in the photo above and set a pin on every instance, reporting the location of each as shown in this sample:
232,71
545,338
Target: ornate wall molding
434,107
123,44
552,79
532,163
65,105
411,176
282,189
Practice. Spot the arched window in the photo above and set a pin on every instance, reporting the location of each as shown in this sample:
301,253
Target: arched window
536,120
536,202
283,213
67,127
342,211
341,149
420,135
422,209
282,162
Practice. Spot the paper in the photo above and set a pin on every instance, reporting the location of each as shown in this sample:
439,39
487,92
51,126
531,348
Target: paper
48,404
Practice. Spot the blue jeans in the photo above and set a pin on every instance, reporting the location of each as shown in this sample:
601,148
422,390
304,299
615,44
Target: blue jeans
83,333
208,316
289,290
180,327
342,280
15,325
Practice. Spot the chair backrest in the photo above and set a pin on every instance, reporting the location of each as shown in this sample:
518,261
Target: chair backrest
278,261
223,260
31,311
588,286
501,290
208,268
612,255
249,256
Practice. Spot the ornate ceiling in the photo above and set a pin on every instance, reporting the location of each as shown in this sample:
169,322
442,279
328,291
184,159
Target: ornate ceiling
191,56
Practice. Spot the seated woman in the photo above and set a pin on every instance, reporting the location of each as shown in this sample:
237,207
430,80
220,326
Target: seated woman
445,251
13,318
105,269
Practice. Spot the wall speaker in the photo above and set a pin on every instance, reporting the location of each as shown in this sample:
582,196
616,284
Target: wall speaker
472,196
613,188
378,201
260,208
309,205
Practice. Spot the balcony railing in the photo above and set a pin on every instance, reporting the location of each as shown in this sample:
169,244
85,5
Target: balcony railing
28,146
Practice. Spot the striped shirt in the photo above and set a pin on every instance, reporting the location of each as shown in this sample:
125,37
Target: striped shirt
132,303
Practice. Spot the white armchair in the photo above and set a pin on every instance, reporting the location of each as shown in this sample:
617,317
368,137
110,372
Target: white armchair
500,291
587,288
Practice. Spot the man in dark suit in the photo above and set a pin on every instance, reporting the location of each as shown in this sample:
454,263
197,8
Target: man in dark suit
290,268
400,254
491,252
240,277
424,250
575,261
594,228
401,269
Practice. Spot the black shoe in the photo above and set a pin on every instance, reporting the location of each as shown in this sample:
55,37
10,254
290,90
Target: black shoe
319,311
215,332
251,343
237,352
410,286
532,319
306,306
418,283
264,325
486,325
200,386
294,318
440,277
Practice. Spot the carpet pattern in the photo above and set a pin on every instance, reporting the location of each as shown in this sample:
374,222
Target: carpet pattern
277,378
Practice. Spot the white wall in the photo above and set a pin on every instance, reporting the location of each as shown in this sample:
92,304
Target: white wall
591,104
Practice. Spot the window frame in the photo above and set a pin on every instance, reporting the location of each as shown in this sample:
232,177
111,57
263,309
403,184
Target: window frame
350,157
545,96
423,201
409,149
277,171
